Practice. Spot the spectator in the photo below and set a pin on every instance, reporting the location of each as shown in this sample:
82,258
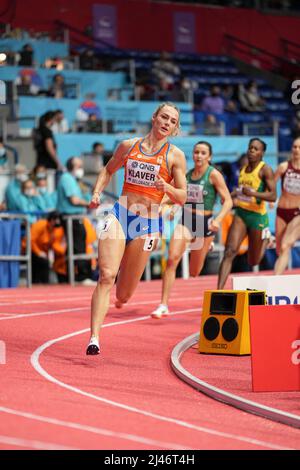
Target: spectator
30,201
25,86
211,126
164,68
57,88
45,144
87,107
70,201
38,172
88,60
54,63
229,95
250,99
182,90
44,235
49,198
93,124
95,160
214,103
26,56
13,190
60,124
10,59
98,151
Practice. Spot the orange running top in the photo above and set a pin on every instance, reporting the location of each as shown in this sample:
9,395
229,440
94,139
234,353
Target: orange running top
142,170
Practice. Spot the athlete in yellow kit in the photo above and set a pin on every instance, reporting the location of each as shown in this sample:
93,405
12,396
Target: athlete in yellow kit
256,185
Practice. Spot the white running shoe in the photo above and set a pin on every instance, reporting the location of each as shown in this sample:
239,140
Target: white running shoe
88,282
93,347
161,311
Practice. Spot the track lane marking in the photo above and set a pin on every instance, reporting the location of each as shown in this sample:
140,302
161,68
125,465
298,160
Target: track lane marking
92,429
14,316
37,366
32,444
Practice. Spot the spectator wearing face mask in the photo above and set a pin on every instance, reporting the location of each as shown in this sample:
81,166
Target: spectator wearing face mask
30,201
214,103
38,172
71,201
13,190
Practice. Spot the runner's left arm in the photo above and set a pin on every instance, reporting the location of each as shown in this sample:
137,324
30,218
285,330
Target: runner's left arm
176,191
270,194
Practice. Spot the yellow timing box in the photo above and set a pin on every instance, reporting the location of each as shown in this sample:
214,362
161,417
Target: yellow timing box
225,321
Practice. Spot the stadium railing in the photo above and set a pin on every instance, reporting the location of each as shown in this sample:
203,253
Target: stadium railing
27,256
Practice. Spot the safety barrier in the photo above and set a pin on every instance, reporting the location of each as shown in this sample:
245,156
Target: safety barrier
27,256
72,257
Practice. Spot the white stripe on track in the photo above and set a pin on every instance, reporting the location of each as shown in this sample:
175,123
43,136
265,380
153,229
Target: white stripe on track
73,298
46,301
13,316
37,366
92,429
68,299
37,445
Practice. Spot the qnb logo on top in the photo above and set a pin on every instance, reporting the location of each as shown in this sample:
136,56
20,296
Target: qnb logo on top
296,94
141,173
2,353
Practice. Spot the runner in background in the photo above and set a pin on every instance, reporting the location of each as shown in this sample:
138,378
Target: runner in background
198,225
288,209
256,185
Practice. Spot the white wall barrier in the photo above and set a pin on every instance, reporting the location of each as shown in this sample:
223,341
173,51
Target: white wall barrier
281,290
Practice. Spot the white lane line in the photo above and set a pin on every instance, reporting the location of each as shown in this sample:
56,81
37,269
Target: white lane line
76,309
38,445
222,395
46,301
48,312
37,366
92,429
74,298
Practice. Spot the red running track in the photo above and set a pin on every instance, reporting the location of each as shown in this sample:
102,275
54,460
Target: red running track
52,396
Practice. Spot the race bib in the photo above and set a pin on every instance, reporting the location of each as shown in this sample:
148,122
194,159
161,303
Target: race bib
195,193
149,244
292,184
141,173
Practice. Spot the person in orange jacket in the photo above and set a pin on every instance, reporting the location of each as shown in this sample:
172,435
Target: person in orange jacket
48,234
43,234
